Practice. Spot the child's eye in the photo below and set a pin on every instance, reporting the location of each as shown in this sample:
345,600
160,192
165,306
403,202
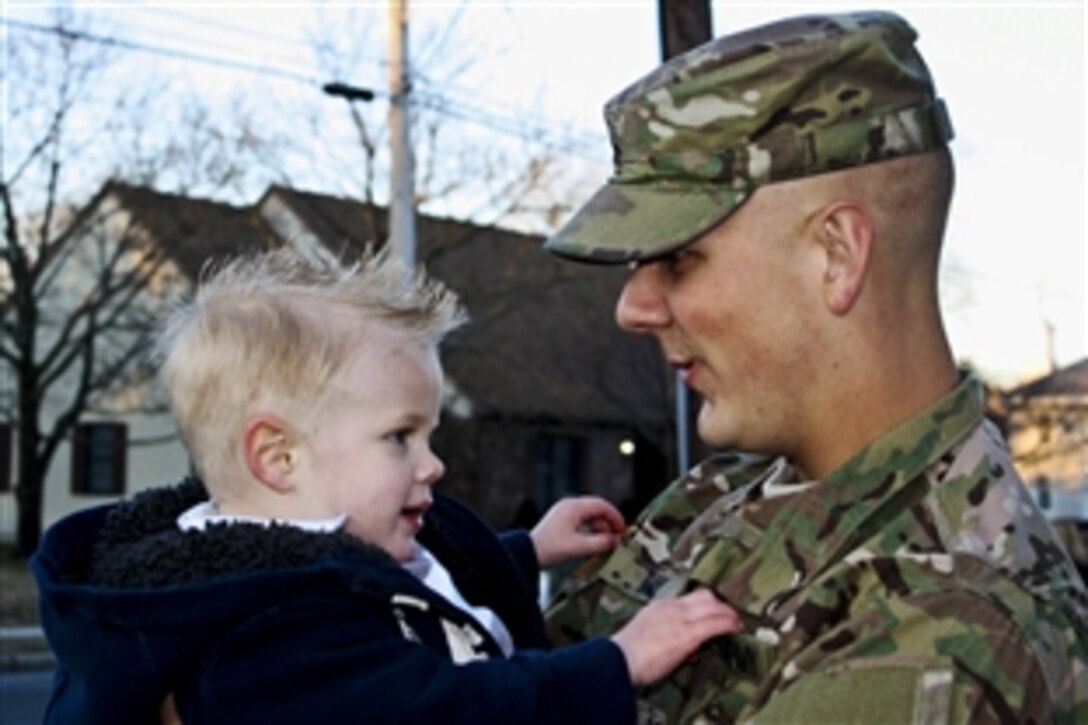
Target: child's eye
400,437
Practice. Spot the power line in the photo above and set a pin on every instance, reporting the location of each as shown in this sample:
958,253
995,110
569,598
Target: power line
572,143
215,34
585,141
241,30
213,37
164,51
169,12
580,145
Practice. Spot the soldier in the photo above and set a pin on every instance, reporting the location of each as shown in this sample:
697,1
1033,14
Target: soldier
780,196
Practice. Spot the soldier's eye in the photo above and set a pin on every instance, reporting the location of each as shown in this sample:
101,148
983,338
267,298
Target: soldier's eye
678,262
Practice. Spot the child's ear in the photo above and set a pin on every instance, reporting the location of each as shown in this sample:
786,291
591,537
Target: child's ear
271,452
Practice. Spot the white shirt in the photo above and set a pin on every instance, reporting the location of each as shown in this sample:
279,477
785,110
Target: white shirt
429,570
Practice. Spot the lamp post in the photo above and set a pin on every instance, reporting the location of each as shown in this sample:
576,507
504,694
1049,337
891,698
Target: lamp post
351,94
402,220
373,234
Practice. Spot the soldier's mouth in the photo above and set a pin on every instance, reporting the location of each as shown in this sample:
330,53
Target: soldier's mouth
686,368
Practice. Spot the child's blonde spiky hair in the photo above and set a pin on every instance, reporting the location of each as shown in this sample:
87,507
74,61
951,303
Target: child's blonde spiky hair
279,326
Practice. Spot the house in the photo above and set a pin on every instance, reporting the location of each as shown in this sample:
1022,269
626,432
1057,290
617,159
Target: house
126,441
545,395
1046,421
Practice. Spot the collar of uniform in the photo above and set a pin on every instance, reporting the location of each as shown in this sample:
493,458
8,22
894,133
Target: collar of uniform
823,523
915,444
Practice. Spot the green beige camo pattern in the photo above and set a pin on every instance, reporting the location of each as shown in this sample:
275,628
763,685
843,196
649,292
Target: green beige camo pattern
917,583
693,139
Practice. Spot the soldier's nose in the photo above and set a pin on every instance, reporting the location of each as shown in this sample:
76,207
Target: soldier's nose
641,307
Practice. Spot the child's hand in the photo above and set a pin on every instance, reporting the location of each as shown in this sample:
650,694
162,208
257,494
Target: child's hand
576,527
666,631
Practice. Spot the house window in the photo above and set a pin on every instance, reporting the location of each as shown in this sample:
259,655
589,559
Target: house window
1042,488
558,468
98,458
5,457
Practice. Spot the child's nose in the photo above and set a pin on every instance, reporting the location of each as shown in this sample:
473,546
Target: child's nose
430,469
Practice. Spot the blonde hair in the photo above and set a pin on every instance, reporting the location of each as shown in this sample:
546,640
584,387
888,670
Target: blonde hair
276,329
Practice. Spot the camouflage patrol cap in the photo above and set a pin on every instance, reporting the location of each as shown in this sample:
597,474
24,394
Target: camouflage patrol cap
696,137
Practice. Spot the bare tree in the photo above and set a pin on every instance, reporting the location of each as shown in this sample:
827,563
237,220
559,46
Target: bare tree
79,290
491,166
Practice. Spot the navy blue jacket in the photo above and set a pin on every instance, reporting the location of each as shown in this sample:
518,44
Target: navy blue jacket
275,625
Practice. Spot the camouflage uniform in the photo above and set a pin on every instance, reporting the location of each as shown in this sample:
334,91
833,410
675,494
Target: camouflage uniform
916,583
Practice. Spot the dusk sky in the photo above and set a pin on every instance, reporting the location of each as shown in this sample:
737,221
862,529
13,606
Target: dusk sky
1012,74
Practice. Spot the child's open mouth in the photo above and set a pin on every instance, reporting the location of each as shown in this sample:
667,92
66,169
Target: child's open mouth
414,514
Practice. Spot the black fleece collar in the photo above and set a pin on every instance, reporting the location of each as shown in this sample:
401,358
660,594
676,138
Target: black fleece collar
142,546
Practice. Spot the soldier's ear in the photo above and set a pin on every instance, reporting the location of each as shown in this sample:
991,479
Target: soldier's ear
270,448
845,233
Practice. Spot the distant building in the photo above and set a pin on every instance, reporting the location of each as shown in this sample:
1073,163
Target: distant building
1046,422
126,442
545,396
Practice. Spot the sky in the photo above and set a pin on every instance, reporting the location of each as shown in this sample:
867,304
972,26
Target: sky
1012,74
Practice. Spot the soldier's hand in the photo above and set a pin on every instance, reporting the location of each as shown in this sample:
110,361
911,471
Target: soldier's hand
666,631
576,527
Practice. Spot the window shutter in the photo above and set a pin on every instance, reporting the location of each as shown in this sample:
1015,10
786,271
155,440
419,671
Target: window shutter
79,459
5,456
99,458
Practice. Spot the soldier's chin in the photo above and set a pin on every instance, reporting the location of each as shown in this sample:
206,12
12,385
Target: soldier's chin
712,427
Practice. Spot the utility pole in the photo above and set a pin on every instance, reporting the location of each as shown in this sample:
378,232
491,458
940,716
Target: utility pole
402,222
683,25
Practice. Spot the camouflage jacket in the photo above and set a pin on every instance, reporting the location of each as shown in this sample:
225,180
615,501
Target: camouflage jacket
917,583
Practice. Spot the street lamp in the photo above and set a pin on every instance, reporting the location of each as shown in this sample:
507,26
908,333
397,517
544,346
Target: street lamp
402,234
350,93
